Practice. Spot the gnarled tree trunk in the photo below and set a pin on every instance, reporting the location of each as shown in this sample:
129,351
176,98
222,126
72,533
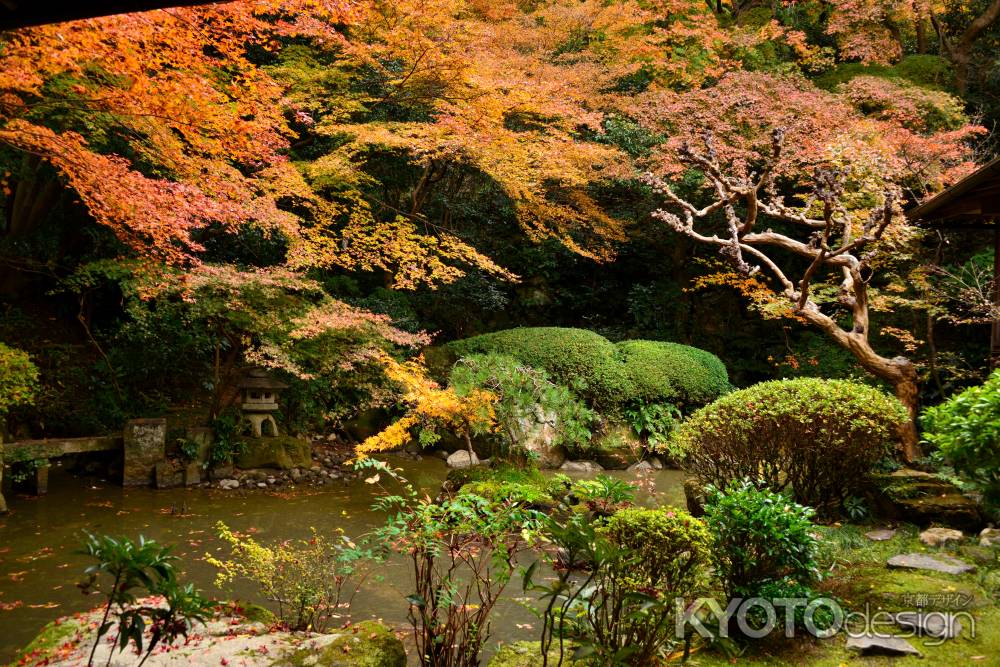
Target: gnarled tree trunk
833,243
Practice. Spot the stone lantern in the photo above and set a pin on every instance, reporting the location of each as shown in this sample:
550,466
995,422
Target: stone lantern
260,401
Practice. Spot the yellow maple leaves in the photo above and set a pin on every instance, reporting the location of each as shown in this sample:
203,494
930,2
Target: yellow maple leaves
430,407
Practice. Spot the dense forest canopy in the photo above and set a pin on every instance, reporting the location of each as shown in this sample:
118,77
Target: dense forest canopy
309,184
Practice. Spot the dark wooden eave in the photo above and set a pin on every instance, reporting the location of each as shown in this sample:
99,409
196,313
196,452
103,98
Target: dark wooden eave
22,13
972,202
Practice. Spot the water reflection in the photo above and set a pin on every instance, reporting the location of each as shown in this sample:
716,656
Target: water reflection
39,569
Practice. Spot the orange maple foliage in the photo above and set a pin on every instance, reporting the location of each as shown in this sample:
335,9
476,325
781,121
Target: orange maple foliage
430,407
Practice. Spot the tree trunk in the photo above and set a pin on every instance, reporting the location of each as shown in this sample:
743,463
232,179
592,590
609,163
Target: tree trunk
898,371
908,394
920,25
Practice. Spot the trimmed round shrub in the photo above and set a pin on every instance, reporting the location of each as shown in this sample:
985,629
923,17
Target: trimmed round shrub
18,378
667,548
819,439
965,429
582,360
761,540
662,372
606,375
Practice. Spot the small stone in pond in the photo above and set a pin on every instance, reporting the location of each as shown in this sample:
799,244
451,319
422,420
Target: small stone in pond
872,644
261,485
880,535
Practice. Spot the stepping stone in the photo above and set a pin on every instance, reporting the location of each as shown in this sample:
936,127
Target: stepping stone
935,537
881,645
990,537
881,535
942,564
935,624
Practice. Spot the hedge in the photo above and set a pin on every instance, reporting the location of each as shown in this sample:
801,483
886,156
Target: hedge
817,438
672,373
606,375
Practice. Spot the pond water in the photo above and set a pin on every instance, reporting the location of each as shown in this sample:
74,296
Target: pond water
39,569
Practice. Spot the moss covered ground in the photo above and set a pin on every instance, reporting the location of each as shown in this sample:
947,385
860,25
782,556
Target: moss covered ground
855,574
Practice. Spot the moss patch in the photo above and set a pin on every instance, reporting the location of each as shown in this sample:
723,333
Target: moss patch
526,485
366,644
857,577
529,654
283,452
43,647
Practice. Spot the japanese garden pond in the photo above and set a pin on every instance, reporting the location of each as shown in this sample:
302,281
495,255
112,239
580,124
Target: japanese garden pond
39,568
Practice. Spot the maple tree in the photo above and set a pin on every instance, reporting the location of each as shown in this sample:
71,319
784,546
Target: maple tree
875,30
837,240
170,134
430,408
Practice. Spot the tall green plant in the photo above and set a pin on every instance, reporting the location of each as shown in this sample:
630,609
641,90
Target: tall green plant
760,538
616,585
18,378
462,553
138,569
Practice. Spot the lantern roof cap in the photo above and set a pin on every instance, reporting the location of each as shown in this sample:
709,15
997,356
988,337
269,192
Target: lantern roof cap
258,378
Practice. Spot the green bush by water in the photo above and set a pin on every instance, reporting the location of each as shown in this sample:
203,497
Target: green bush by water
819,439
606,375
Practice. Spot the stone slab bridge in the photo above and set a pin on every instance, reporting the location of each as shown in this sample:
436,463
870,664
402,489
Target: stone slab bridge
142,444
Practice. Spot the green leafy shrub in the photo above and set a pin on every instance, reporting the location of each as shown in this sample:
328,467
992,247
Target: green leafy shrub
609,376
820,439
620,609
603,495
143,568
462,553
662,372
965,429
655,423
760,539
18,378
311,582
582,360
668,548
523,393
229,442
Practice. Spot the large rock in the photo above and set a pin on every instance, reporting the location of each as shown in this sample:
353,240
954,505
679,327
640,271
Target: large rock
919,497
936,563
872,644
617,448
989,537
462,459
224,640
936,537
586,467
694,496
169,474
537,433
145,446
283,452
529,654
